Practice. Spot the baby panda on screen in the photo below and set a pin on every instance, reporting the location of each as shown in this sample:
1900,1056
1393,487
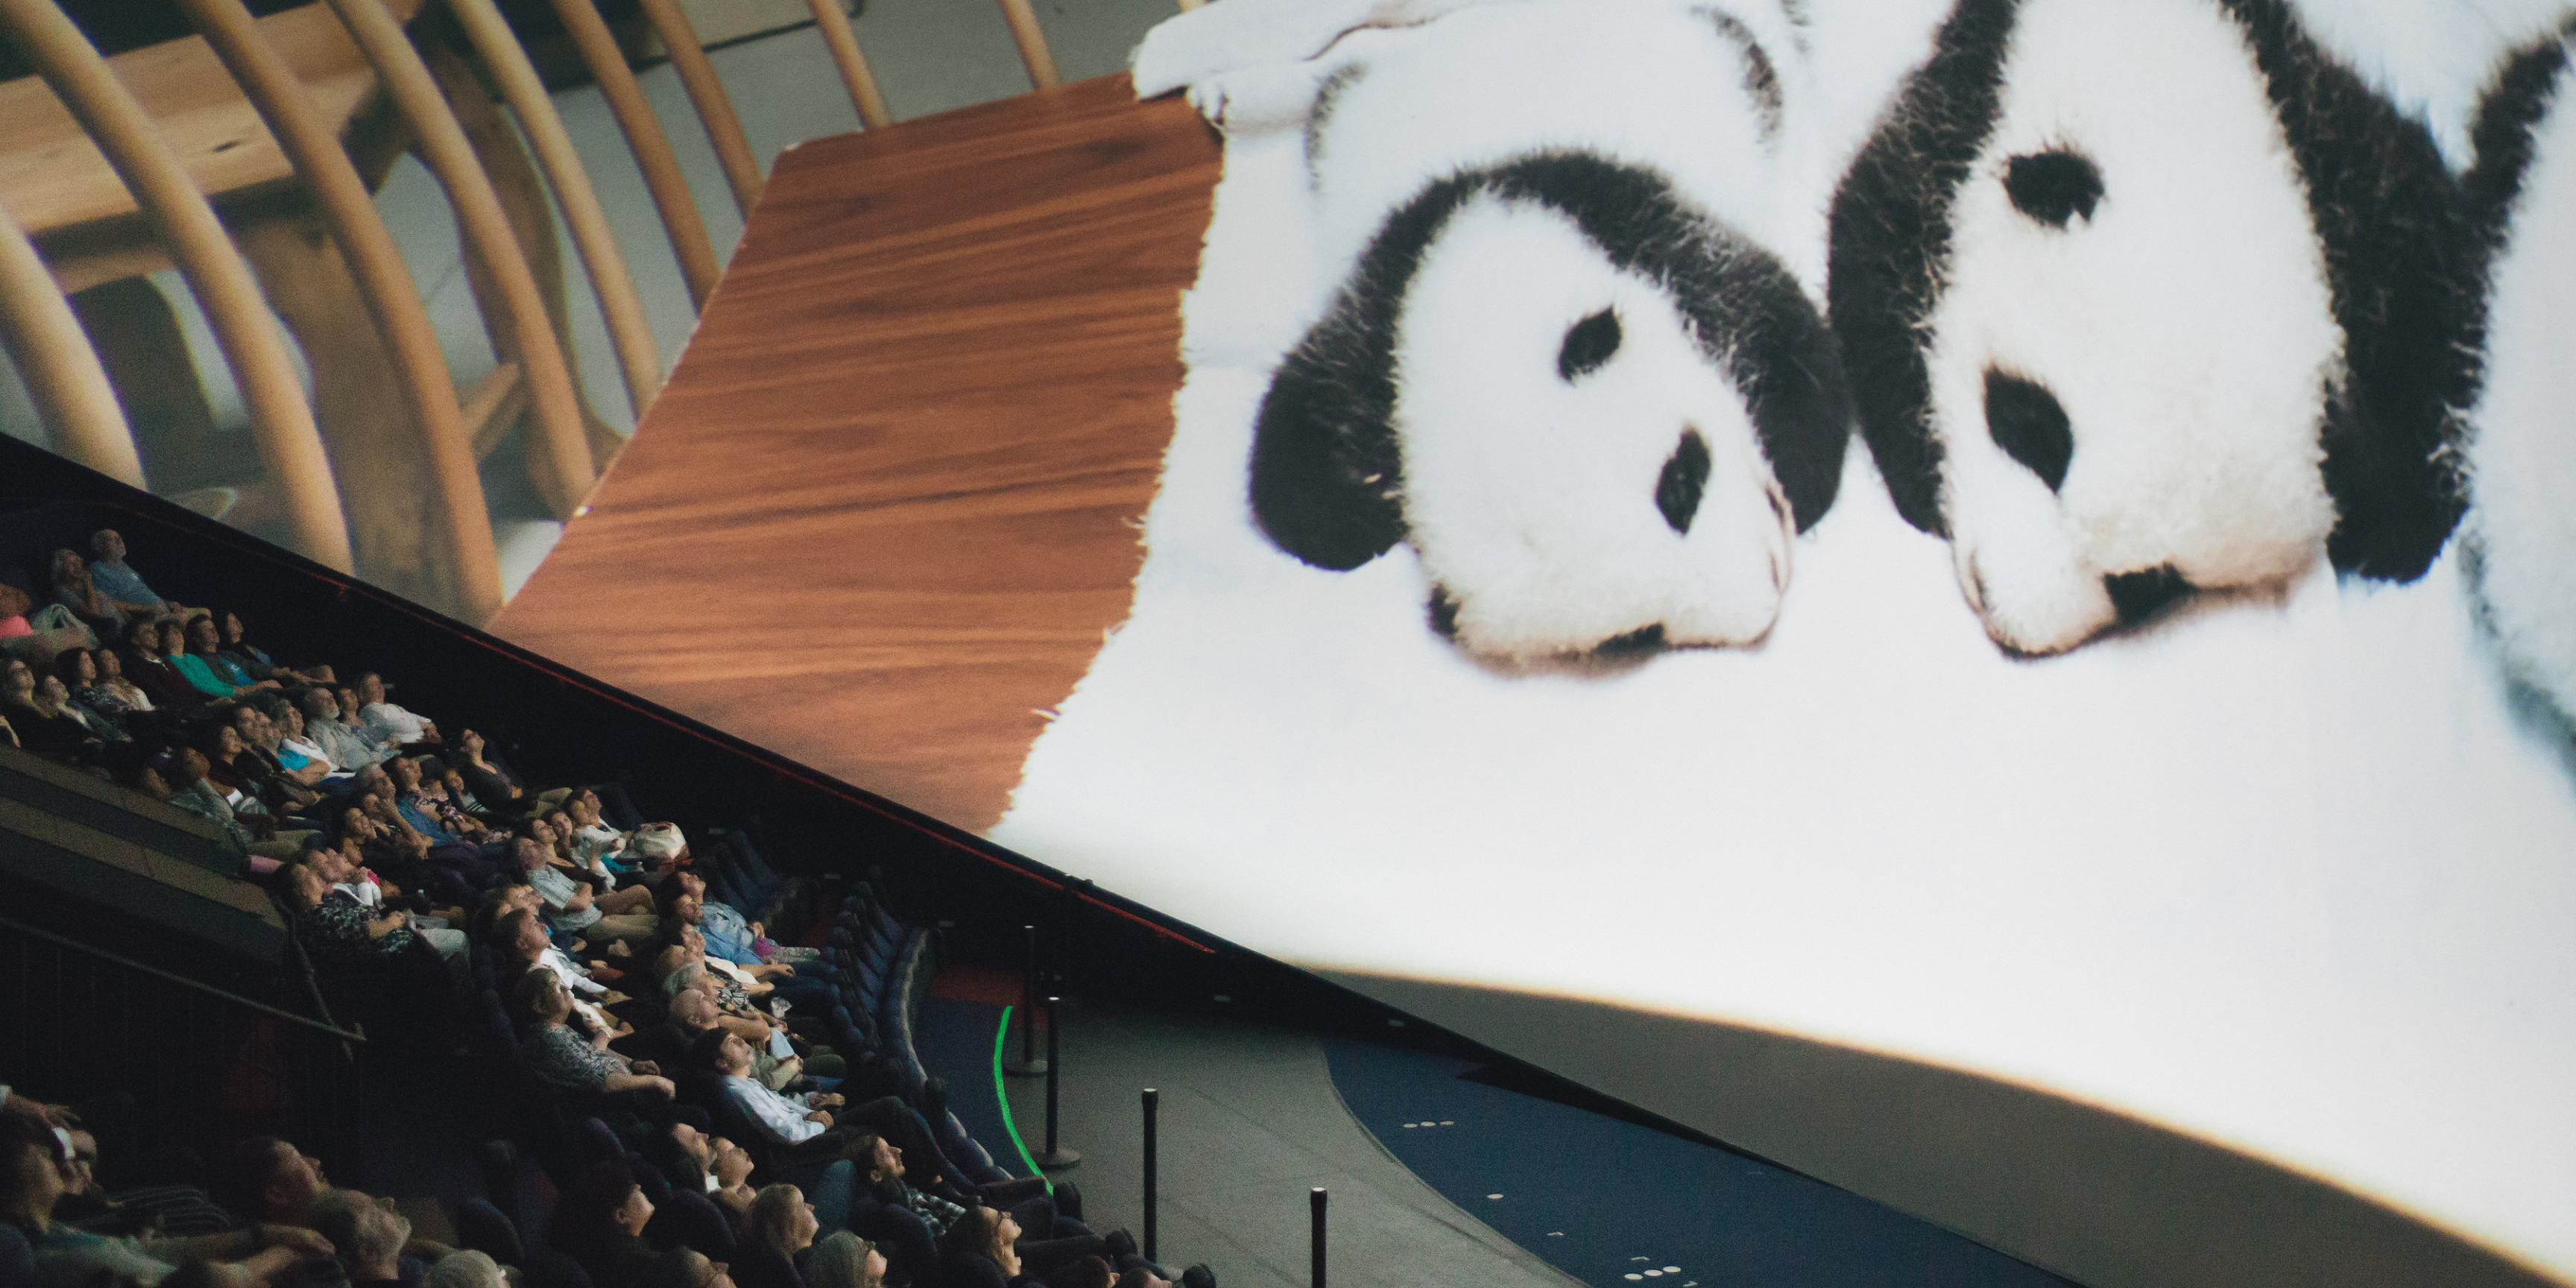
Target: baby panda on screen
2519,457
1573,360
2143,297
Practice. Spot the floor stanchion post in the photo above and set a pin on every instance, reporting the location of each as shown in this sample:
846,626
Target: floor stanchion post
1317,1199
1056,1157
1029,1065
1149,1173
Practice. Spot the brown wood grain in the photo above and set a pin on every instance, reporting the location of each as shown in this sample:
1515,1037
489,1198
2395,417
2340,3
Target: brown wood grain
885,510
54,179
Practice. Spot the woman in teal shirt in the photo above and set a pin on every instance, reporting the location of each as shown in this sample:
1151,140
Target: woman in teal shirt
196,669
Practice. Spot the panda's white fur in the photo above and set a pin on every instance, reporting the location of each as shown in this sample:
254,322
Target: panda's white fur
1530,497
1542,499
2184,326
1502,80
2520,457
2143,297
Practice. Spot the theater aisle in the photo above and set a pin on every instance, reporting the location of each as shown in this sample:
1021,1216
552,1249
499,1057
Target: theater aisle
1249,1123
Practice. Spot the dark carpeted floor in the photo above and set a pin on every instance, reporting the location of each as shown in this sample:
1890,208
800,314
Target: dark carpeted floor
1614,1203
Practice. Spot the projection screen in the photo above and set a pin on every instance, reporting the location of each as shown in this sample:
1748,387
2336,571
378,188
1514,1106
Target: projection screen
2023,544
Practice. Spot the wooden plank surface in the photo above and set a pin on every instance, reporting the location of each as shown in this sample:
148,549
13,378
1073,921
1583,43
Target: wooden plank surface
53,178
885,509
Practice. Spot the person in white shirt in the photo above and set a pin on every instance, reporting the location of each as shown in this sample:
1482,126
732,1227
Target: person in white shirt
528,944
784,1120
387,723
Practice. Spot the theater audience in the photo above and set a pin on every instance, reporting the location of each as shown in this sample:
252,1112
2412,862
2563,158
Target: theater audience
424,823
37,1168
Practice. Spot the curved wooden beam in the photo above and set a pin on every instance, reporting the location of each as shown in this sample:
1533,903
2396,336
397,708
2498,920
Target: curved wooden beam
282,422
569,475
638,360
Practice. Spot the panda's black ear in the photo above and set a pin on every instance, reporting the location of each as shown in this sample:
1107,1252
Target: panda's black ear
1890,249
1801,398
2402,266
1325,472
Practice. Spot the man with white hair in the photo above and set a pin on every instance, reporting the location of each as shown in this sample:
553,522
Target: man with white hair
114,578
367,1235
466,1269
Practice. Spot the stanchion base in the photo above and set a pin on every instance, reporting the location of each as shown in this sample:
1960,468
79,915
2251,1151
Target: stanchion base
1056,1160
1026,1068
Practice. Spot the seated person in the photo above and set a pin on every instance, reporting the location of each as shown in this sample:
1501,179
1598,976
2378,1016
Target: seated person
14,607
97,677
340,935
74,589
44,728
288,789
810,991
251,659
429,808
499,790
256,831
600,1220
53,694
193,669
117,579
691,1013
293,737
347,746
36,1170
569,1059
105,694
619,916
206,644
264,1178
776,1235
522,940
367,1235
149,667
704,1164
800,1123
388,723
843,1260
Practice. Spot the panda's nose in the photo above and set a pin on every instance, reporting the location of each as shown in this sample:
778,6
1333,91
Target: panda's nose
2026,421
1684,479
2136,596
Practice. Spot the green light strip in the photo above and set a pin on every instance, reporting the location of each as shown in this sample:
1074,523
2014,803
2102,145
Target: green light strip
1000,1032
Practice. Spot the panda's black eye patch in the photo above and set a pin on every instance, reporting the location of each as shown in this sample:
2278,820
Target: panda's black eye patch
2054,186
1588,344
2030,425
